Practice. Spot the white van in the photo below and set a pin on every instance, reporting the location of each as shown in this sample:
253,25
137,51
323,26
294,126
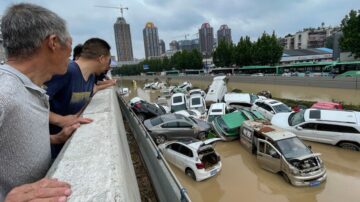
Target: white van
178,102
216,91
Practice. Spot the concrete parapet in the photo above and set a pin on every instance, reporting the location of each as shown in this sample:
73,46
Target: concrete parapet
96,161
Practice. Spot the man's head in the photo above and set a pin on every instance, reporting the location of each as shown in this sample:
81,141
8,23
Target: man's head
29,29
77,51
98,50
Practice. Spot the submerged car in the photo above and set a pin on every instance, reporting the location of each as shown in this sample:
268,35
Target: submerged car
216,109
227,126
243,100
282,152
197,159
335,127
176,126
145,110
197,102
269,107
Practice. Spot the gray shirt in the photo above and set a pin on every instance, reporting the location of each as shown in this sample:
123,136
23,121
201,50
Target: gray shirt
25,154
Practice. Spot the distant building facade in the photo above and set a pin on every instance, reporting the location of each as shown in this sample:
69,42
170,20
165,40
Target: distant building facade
189,45
206,39
123,40
2,51
308,38
151,41
162,47
174,46
306,55
224,33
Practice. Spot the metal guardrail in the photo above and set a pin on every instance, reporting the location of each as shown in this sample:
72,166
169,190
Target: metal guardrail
167,186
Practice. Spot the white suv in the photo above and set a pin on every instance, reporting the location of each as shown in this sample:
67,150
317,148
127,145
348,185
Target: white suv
269,107
335,127
196,158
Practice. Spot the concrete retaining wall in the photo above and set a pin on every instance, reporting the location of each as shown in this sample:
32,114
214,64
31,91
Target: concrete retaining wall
96,161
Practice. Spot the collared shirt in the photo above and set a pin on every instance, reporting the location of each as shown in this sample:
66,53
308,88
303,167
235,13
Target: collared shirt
25,153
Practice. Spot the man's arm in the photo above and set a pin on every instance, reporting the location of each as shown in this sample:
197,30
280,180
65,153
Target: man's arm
42,190
103,84
64,134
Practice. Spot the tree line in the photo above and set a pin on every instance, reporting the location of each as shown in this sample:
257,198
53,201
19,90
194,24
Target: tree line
179,61
267,50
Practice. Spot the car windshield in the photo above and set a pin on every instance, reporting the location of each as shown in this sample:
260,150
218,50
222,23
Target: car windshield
293,148
195,101
281,108
253,98
296,118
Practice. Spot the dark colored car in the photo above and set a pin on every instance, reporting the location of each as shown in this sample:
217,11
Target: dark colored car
176,126
145,110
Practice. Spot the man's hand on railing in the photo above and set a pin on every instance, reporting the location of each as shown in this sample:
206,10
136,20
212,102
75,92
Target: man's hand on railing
46,190
64,134
104,84
64,121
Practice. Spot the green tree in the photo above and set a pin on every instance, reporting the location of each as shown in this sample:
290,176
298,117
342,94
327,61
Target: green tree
350,26
243,52
223,55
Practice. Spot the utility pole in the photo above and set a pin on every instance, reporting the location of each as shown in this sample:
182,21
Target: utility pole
114,7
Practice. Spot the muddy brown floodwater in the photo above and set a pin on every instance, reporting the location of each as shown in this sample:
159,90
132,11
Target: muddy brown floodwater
241,178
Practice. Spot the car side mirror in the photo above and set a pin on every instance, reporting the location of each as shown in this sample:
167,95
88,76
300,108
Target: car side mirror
272,112
298,128
309,146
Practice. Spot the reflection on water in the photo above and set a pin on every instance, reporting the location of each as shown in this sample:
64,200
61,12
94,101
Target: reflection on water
241,179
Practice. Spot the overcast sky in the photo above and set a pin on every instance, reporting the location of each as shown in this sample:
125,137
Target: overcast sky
175,18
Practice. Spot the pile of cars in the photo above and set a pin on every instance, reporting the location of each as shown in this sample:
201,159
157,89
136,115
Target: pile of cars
266,127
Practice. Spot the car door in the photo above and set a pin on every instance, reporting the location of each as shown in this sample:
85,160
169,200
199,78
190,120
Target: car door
170,130
306,131
327,133
171,153
268,156
185,129
184,157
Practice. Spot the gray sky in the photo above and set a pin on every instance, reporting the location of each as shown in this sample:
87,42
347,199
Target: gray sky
175,18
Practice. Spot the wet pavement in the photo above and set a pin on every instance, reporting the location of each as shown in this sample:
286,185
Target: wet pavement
242,179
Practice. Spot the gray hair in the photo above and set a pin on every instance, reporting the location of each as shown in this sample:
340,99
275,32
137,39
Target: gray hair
24,27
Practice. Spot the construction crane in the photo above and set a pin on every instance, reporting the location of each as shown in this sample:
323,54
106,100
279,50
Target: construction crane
115,7
185,36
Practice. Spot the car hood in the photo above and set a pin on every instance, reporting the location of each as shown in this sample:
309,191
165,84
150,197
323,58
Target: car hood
281,120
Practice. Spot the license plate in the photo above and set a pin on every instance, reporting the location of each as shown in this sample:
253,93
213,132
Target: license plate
213,172
314,183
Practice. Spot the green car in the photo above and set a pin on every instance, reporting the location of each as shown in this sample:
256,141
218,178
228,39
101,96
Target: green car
227,126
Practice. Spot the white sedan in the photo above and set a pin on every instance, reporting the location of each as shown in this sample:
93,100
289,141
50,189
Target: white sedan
195,158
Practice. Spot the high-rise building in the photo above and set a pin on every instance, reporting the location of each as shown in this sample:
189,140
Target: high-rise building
206,37
2,52
151,40
189,45
174,46
123,40
224,33
162,47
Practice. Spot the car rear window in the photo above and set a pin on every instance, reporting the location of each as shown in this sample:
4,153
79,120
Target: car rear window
216,110
177,99
195,101
156,121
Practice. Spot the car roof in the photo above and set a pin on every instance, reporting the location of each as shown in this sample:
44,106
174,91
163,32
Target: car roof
178,94
272,102
169,117
234,119
195,96
332,116
273,132
219,78
237,97
220,105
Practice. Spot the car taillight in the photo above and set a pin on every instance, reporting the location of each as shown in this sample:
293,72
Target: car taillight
200,166
218,158
137,105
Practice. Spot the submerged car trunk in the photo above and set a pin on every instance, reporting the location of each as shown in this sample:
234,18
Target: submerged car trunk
208,156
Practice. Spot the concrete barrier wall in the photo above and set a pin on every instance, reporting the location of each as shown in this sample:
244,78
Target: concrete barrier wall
96,161
324,82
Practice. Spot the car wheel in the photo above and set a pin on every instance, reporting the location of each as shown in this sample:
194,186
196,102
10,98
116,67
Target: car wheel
286,178
190,173
202,136
160,139
350,146
141,117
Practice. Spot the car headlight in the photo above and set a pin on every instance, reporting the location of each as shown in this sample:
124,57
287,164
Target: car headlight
294,171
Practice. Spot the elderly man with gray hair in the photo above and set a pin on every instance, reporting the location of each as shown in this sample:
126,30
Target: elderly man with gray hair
38,46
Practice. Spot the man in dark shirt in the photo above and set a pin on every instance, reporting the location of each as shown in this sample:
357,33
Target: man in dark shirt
69,93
